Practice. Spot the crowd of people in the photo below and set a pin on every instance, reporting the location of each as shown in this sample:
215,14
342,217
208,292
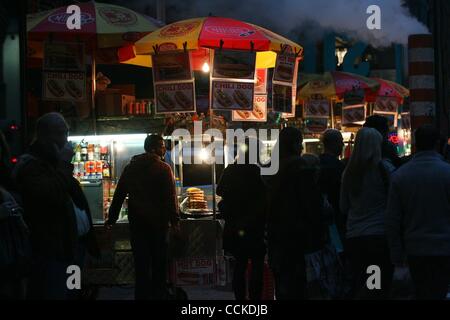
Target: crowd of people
333,220
322,222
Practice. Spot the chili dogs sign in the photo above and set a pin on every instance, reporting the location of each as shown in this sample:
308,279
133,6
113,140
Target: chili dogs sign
70,86
233,80
64,74
174,84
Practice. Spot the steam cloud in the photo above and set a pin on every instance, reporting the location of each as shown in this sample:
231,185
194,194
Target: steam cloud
309,18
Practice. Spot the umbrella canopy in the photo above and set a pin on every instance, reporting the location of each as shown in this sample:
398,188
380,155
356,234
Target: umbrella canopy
392,90
128,55
334,85
109,25
214,32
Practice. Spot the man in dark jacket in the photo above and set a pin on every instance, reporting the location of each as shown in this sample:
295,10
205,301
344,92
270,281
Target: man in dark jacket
43,178
152,205
418,217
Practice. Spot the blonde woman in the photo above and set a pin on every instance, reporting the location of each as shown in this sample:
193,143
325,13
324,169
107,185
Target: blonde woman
365,185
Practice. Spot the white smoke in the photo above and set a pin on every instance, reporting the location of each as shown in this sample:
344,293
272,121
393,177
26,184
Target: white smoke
311,18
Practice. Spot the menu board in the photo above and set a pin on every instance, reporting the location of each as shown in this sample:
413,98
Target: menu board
63,56
69,86
316,108
282,98
353,114
285,68
175,97
406,120
64,72
174,83
171,67
386,104
258,114
231,64
231,95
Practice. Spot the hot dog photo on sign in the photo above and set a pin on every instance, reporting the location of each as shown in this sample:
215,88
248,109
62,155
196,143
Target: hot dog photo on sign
63,86
258,114
175,97
229,95
284,68
354,114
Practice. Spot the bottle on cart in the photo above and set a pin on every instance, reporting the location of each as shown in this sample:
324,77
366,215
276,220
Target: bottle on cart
84,152
78,153
90,151
97,152
76,170
104,153
106,169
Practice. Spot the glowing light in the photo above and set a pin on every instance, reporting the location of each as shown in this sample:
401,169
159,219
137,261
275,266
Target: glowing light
14,160
205,67
203,154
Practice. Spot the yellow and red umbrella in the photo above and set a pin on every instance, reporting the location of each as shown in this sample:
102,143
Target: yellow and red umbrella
109,25
334,85
214,32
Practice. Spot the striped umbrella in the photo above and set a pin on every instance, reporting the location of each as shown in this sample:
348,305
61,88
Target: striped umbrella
109,25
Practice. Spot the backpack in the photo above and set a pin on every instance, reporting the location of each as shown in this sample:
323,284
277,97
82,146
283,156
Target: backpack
15,246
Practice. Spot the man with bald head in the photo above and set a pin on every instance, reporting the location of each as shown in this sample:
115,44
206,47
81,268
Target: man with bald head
331,173
43,178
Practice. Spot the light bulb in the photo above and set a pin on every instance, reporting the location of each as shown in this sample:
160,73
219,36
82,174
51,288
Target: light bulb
205,67
203,154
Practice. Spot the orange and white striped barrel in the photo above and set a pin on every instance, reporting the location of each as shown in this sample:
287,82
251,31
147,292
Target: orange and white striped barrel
421,79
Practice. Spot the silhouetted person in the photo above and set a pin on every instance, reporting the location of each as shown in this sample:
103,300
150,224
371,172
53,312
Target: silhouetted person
418,216
388,149
365,184
14,265
294,214
331,174
44,179
244,196
152,208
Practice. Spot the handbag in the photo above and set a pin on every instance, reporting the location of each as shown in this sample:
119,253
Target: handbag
15,245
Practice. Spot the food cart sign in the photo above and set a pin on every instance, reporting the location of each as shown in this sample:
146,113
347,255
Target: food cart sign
63,56
285,68
171,67
282,98
231,95
261,81
64,86
355,114
406,120
316,108
258,114
232,64
386,104
175,97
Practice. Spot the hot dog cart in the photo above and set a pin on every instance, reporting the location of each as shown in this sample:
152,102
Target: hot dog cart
99,161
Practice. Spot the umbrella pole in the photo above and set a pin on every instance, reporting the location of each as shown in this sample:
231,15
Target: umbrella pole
93,89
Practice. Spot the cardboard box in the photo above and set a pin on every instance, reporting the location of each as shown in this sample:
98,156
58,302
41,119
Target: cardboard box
111,102
127,89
